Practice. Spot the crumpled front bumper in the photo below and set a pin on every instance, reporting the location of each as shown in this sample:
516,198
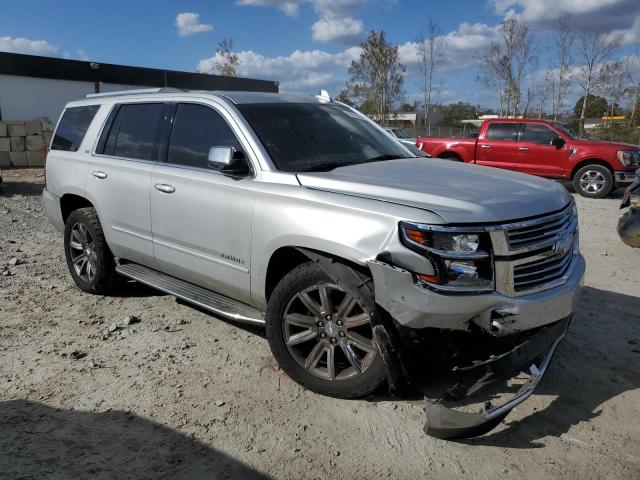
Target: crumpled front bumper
534,354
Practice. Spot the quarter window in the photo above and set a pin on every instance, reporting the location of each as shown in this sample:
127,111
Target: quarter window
197,128
72,127
503,132
536,133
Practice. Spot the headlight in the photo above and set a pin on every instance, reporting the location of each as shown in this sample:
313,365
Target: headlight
629,158
461,260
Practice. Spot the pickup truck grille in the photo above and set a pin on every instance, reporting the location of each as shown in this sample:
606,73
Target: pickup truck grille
542,231
542,272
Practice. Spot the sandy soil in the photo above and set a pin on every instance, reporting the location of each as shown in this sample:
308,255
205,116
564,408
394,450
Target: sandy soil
182,394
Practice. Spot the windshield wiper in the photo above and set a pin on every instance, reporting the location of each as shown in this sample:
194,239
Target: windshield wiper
324,167
381,158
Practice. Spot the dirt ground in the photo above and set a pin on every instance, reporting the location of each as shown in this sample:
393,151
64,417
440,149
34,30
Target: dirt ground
183,394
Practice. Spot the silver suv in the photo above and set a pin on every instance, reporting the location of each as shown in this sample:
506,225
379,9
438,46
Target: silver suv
301,214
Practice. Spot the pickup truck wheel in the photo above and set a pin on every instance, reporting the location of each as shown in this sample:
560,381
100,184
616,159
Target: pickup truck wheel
593,181
89,259
321,336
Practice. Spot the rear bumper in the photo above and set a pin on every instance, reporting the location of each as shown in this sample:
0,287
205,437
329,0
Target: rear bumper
51,205
414,306
534,355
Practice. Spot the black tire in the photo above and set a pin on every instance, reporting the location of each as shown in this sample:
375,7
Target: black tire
305,276
450,156
104,266
602,181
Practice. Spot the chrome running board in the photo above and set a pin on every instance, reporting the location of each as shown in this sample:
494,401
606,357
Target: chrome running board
201,297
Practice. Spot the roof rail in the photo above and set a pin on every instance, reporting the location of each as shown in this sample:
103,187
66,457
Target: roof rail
135,92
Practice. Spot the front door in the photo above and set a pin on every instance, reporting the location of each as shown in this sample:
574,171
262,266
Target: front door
537,155
201,216
498,148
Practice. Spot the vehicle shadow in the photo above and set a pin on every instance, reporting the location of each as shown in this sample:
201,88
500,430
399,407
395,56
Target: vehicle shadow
596,362
14,186
38,441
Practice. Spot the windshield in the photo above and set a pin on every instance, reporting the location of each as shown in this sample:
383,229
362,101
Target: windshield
570,132
400,133
308,136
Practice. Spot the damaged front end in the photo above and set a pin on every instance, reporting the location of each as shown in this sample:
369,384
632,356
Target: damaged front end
533,354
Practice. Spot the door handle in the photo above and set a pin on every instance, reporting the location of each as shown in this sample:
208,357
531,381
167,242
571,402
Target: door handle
164,188
99,174
485,146
523,149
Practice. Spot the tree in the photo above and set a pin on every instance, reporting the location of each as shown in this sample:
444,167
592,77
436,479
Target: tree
594,49
377,77
616,85
592,106
430,56
345,97
563,47
506,64
229,64
452,114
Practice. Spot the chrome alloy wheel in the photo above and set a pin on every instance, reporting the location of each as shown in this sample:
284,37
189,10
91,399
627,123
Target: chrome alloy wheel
83,253
592,181
328,332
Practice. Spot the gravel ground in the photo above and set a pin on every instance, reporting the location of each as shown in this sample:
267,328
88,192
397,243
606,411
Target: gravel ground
182,394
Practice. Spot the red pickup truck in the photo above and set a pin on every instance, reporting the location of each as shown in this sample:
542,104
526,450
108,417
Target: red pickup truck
544,148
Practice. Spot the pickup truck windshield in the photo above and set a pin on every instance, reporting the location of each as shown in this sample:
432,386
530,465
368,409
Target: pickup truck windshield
308,136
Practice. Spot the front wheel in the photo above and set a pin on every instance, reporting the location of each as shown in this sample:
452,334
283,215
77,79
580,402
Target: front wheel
322,336
593,181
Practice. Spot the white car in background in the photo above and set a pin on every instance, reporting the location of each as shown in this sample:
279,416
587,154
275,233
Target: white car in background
401,134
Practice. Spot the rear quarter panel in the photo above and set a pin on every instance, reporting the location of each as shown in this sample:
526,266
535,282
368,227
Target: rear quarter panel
463,147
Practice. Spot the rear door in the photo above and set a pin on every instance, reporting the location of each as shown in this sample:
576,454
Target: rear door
498,147
537,155
201,216
120,175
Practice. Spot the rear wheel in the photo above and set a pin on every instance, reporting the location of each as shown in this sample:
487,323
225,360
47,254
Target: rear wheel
450,156
593,181
322,336
89,259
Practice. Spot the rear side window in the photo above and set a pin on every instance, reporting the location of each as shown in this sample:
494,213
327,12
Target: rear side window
72,127
133,131
197,128
536,133
502,132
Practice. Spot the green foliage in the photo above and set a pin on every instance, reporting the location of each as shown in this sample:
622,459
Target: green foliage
617,132
452,114
596,107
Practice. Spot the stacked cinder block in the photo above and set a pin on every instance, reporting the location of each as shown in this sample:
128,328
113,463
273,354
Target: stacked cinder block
22,144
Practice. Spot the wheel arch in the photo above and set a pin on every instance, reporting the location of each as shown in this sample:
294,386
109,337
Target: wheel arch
591,161
70,202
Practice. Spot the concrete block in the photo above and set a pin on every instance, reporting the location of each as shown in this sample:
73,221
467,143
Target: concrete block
16,129
5,160
46,138
3,129
33,127
18,159
35,158
17,144
34,142
47,126
5,145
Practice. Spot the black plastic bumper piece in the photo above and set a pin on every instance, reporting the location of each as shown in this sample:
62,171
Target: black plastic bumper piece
534,354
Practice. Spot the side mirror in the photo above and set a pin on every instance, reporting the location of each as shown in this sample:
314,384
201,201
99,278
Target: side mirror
558,142
228,160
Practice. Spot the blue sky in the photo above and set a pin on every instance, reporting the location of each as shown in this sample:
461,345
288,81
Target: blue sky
305,44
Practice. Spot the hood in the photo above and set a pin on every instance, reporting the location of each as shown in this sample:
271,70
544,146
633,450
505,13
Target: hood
458,192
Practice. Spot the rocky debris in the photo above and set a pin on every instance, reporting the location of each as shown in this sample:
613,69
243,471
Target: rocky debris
77,355
15,261
113,327
220,403
130,320
6,272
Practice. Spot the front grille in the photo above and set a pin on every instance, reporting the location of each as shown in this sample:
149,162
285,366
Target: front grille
538,232
541,272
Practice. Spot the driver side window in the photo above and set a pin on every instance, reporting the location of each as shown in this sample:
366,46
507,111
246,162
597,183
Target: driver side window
197,128
540,134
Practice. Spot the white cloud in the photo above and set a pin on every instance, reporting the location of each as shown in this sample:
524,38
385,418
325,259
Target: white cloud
289,7
24,45
606,14
304,71
629,35
338,30
188,23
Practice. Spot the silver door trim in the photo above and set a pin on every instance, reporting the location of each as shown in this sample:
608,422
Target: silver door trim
129,232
